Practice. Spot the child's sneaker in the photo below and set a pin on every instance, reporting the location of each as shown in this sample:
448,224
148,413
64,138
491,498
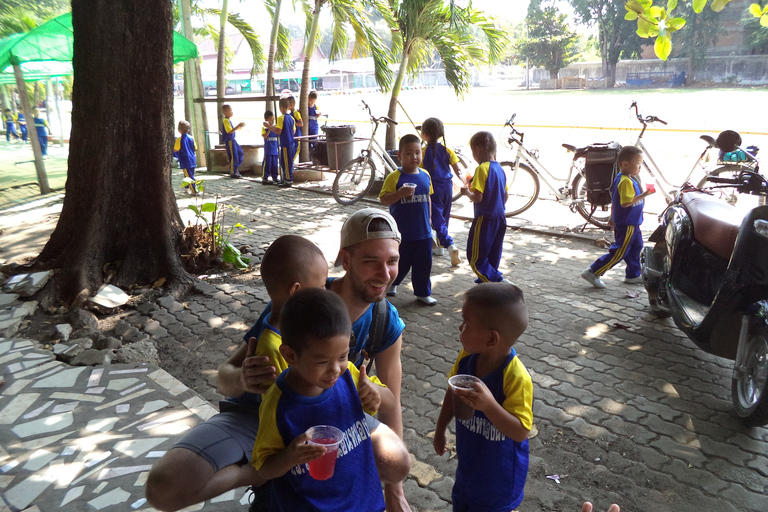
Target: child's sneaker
455,256
392,291
429,301
588,275
438,251
236,175
634,280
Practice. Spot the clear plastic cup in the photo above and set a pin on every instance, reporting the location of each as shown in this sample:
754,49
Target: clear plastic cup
650,187
462,410
325,435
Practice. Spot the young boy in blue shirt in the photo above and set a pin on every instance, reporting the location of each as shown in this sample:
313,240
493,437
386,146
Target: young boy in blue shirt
492,445
313,113
320,387
488,192
627,198
407,192
10,126
298,123
41,125
271,150
184,150
284,129
228,133
22,120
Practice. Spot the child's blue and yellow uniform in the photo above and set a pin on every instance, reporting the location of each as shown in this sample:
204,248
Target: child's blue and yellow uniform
286,124
492,468
10,127
486,236
312,126
628,242
184,150
22,120
285,415
438,161
234,151
297,133
412,217
41,125
270,164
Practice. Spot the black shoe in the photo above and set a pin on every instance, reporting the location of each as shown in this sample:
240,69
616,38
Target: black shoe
286,184
236,175
265,182
261,498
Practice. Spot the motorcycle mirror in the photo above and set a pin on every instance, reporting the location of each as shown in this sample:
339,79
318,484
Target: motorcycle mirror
728,141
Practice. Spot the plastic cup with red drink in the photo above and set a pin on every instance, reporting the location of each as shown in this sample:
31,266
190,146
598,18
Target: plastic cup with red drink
462,410
651,188
330,437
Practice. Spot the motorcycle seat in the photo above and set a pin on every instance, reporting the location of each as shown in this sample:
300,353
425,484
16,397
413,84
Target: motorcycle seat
715,223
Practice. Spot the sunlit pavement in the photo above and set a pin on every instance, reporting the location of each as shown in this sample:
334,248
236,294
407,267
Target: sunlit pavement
626,409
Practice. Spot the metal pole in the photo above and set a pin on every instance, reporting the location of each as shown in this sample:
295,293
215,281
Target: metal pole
527,69
42,178
58,110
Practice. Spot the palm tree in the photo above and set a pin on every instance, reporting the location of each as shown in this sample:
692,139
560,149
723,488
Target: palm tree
346,13
430,28
279,43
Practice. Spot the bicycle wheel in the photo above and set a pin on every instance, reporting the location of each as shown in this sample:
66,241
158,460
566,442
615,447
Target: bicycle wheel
600,216
729,194
456,182
522,188
354,180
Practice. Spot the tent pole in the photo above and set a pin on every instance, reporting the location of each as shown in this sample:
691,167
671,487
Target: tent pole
48,101
58,110
42,178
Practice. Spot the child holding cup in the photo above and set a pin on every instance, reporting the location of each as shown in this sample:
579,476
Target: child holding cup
491,396
319,389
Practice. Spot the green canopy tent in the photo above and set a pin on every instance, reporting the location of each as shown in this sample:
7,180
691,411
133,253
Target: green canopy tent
48,46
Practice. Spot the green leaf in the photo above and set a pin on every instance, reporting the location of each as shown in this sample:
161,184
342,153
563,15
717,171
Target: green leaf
671,4
675,24
630,16
194,209
698,5
634,6
755,10
209,207
719,5
658,12
232,255
646,29
663,47
238,225
764,21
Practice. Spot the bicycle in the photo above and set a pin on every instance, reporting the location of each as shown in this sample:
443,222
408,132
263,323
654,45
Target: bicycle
525,173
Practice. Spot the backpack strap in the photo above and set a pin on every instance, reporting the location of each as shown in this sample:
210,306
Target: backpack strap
379,324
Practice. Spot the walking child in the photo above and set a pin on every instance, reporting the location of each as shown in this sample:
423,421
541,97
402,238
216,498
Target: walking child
296,115
321,387
10,126
184,149
439,161
284,129
492,444
22,120
228,133
271,150
313,113
488,192
41,125
627,201
407,192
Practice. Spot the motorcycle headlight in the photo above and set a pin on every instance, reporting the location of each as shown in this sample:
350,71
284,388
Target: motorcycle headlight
761,227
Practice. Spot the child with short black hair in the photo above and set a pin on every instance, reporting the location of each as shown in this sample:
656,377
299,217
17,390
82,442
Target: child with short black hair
494,441
321,387
228,133
627,199
271,150
488,192
10,126
313,113
298,123
439,161
41,126
407,192
284,129
184,150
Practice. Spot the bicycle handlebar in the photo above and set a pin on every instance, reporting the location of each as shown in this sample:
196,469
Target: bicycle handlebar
382,119
647,119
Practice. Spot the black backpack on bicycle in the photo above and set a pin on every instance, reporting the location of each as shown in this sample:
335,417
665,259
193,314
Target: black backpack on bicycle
600,170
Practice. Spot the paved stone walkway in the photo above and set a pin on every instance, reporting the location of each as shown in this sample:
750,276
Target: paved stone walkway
626,409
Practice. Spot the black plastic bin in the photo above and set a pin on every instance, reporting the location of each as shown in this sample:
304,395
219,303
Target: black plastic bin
339,144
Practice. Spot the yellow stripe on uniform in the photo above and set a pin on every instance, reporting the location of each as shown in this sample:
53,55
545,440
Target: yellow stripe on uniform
619,254
231,157
476,250
287,162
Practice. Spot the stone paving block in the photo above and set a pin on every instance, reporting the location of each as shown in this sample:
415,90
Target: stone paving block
590,431
424,499
665,428
752,500
664,411
624,410
169,303
153,328
674,449
204,288
554,414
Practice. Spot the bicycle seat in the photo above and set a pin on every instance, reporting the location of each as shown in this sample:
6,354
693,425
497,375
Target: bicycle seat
715,223
709,140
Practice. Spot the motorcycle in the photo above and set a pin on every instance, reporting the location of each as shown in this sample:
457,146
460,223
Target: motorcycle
708,270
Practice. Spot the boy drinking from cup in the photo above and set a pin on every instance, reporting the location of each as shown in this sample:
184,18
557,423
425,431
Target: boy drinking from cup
494,439
320,388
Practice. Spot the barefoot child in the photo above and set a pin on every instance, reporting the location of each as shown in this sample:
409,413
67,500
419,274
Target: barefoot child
321,387
492,445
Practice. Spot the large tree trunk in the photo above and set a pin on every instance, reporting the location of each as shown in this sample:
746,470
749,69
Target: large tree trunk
391,139
221,67
119,210
309,49
269,86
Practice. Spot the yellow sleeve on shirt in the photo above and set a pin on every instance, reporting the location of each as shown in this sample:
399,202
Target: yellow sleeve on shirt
390,183
455,369
268,440
452,158
227,125
297,115
481,176
626,190
279,123
518,390
177,144
269,345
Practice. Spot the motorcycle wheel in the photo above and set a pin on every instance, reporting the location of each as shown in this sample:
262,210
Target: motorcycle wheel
750,384
653,291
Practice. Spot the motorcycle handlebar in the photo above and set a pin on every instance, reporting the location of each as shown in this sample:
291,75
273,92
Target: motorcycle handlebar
732,181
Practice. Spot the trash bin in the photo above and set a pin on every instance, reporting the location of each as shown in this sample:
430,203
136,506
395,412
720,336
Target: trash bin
339,144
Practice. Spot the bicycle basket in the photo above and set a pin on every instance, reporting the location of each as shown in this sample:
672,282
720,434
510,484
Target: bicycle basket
599,172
